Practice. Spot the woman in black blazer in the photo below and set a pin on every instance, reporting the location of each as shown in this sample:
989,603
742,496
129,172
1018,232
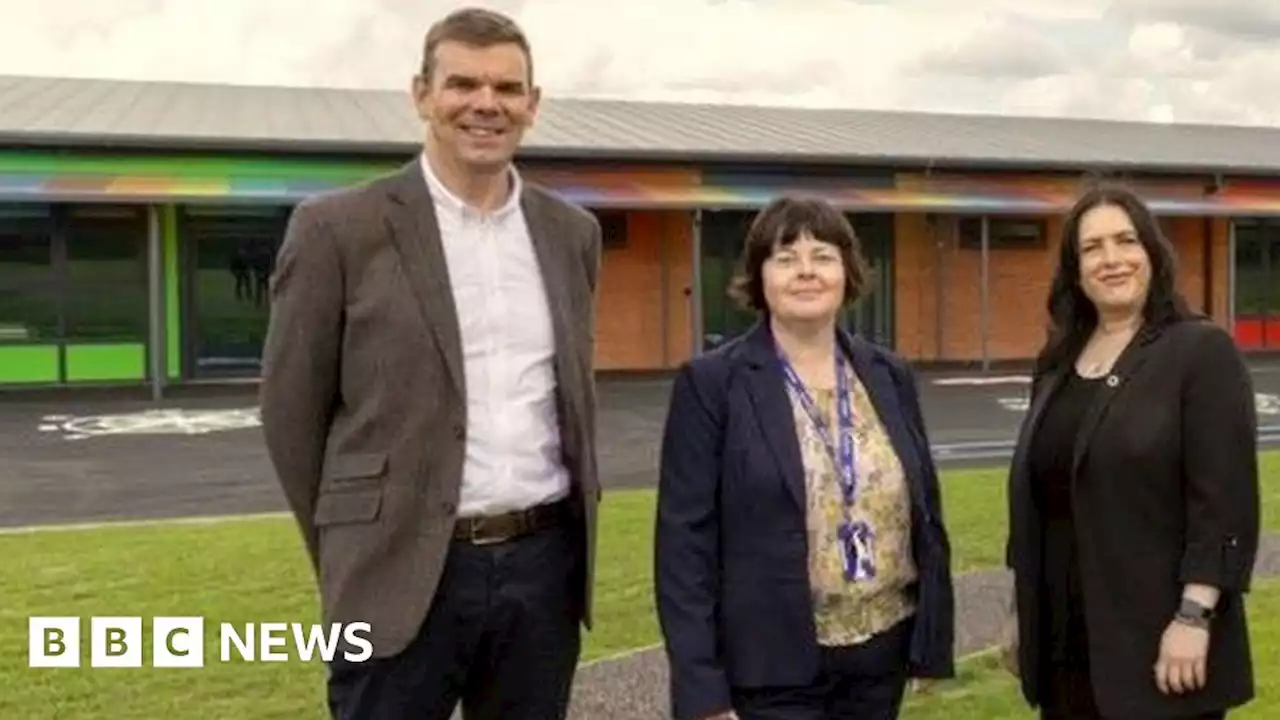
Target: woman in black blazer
1134,510
802,566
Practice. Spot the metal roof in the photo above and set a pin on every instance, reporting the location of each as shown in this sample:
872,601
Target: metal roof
170,115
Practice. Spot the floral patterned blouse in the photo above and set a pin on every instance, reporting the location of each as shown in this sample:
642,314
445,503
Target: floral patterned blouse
849,613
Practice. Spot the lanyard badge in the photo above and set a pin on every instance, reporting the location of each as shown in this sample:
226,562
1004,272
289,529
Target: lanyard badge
856,538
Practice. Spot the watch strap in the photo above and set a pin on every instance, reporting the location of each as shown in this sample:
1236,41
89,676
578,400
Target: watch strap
1193,613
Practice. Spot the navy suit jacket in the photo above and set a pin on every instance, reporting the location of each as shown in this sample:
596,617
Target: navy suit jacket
731,551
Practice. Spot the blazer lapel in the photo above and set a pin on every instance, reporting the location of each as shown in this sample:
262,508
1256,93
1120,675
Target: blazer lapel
1019,477
1035,410
882,391
774,414
1132,358
547,237
415,232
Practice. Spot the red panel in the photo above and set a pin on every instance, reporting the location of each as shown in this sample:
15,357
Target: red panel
1273,333
1248,333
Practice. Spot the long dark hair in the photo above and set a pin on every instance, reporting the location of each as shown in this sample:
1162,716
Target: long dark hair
1072,315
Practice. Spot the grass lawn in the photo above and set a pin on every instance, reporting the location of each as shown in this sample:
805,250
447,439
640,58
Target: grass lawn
254,570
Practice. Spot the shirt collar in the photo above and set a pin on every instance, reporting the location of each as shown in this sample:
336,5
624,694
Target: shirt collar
443,194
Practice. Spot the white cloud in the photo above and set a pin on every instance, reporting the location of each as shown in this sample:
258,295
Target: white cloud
1160,41
1164,60
996,47
1242,20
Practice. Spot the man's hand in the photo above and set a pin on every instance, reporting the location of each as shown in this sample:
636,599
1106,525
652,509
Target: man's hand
1184,652
727,715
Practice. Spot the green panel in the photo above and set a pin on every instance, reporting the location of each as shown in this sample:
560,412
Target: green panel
172,294
28,364
106,362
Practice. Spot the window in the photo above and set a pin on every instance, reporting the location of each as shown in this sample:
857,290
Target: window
28,302
1004,233
613,228
106,296
1252,273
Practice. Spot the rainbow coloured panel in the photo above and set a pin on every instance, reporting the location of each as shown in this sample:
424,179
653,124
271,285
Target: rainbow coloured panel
33,176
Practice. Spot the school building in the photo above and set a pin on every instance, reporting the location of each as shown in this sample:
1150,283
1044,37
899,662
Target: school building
139,221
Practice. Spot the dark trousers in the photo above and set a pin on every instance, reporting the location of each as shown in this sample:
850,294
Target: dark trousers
502,639
861,682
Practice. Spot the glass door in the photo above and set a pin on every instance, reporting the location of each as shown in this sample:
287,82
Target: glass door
724,233
873,316
230,255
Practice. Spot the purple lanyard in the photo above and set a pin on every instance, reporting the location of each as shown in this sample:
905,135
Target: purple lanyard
843,458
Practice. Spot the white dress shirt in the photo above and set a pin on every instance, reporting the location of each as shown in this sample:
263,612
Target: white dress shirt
513,458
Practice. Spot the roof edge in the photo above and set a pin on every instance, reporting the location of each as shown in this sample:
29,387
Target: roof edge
288,147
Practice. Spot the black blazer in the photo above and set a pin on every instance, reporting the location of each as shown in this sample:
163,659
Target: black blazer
732,577
1165,493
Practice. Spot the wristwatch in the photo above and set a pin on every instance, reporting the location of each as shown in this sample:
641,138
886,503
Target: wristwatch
1193,613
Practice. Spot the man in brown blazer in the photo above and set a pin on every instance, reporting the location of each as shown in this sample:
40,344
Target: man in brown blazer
428,404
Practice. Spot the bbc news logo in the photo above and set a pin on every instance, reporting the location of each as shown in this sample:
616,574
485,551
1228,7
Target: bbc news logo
179,642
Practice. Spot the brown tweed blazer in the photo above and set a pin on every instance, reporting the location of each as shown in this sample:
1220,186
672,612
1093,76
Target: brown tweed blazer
363,397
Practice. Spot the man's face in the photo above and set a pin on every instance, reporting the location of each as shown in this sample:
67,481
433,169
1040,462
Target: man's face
478,102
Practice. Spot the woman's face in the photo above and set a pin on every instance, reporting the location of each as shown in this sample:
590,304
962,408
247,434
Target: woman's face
1115,270
804,281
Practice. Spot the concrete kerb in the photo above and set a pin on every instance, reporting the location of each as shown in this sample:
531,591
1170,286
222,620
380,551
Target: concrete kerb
620,656
141,522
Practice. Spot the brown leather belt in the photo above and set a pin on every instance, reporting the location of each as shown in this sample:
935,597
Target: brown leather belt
509,526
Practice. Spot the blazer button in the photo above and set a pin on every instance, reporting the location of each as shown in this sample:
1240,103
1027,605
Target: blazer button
449,508
459,432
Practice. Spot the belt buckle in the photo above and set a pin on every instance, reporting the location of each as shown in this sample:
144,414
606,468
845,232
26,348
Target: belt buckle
477,527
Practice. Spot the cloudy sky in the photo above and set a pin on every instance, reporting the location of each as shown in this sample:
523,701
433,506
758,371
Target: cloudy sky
1161,60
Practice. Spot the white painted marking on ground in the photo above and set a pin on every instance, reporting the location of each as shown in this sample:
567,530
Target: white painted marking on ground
152,422
1267,404
1015,404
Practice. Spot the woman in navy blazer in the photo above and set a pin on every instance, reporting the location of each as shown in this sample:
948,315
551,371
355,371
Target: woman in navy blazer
802,564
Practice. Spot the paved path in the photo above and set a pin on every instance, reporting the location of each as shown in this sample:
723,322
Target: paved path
635,687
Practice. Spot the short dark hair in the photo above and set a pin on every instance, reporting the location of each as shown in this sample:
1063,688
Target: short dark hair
781,223
1072,315
478,27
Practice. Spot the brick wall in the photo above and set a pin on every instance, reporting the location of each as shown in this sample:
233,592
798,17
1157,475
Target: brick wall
1221,263
630,326
938,288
